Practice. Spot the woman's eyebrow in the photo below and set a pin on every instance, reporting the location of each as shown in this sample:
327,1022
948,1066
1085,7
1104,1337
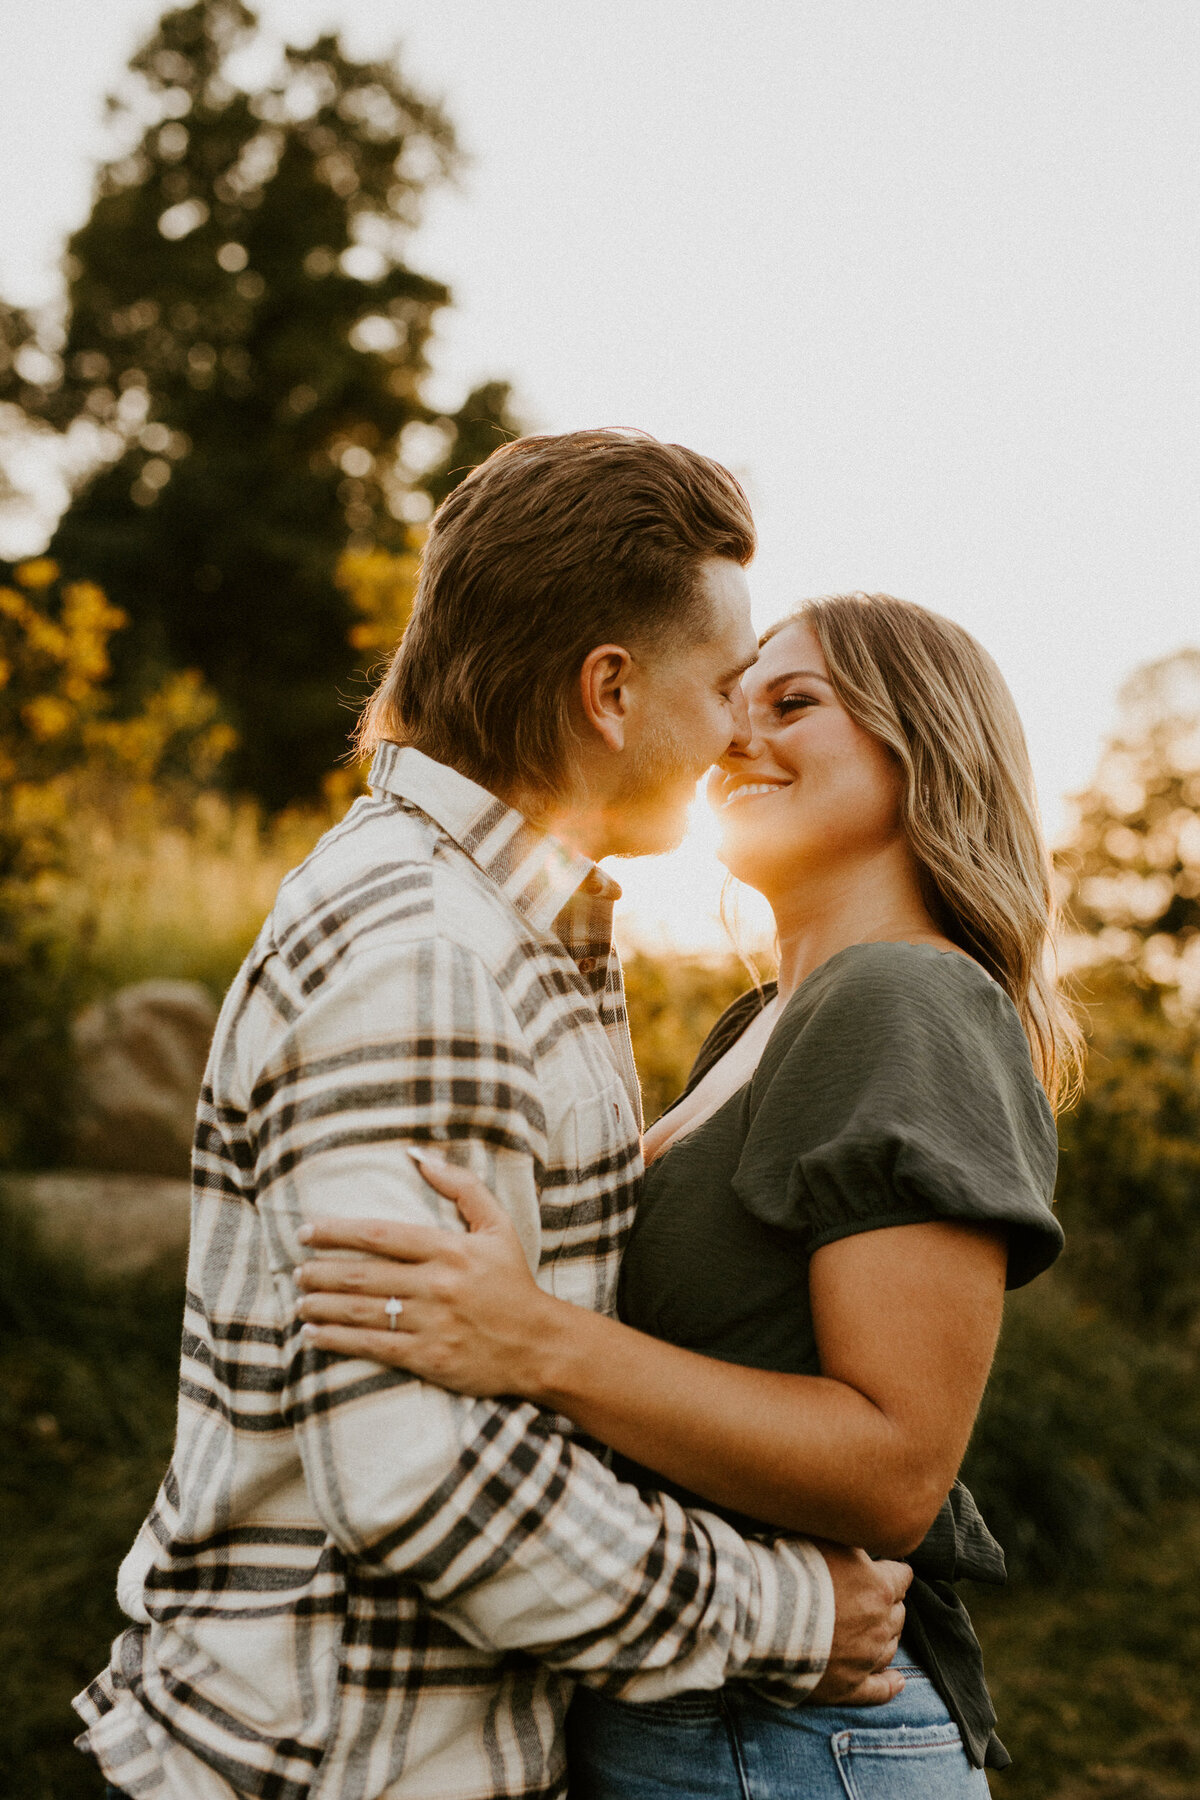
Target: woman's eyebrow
799,675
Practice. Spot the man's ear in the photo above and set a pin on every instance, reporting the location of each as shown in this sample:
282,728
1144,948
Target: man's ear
602,692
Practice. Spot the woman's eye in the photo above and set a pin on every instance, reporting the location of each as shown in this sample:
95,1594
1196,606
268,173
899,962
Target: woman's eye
792,702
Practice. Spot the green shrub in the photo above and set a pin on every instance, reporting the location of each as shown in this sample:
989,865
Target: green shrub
1084,1428
1129,1186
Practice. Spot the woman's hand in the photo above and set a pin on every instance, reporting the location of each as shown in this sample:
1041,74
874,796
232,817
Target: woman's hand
461,1311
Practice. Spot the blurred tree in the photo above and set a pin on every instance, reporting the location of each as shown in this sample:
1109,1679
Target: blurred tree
243,356
1131,870
482,422
1130,1175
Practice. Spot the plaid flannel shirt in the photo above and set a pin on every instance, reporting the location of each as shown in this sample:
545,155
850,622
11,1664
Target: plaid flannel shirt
353,1584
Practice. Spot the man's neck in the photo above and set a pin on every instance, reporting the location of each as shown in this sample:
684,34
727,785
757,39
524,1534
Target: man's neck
583,826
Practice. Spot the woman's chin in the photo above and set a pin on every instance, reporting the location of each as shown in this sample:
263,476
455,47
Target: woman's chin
742,863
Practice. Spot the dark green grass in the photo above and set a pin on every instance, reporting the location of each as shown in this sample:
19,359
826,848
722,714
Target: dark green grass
87,1409
1095,1677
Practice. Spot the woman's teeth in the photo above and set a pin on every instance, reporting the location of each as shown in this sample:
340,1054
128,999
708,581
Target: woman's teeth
751,788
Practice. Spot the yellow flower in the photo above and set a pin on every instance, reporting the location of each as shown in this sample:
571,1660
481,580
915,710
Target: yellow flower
381,588
47,717
38,572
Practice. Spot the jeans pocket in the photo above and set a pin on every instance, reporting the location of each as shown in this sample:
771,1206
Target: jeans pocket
907,1762
697,1707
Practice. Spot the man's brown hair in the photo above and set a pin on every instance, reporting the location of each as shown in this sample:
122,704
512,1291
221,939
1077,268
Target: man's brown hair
552,546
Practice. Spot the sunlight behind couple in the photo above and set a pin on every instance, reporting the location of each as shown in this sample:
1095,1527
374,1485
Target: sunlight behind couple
673,902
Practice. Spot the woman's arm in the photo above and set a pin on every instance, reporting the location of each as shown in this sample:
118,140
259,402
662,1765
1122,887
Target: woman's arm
906,1323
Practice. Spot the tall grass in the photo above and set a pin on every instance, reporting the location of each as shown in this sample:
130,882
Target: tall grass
180,892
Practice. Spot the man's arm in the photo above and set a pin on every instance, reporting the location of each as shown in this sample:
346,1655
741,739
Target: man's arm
518,1537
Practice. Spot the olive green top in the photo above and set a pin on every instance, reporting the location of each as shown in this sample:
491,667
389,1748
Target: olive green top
896,1088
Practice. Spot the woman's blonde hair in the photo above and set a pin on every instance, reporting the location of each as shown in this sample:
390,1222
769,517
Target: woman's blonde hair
923,687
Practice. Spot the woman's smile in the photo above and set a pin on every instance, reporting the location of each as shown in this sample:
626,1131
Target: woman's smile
748,790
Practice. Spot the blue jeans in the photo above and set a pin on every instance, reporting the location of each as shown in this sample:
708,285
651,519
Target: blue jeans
732,1745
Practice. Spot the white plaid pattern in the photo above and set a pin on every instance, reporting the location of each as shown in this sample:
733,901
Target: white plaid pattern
353,1584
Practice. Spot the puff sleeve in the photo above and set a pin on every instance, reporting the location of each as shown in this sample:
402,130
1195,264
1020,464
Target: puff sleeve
897,1089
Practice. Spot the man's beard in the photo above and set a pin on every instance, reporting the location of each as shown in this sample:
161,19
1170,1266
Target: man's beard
650,811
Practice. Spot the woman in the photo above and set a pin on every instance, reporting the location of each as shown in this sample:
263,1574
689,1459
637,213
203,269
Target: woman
863,1159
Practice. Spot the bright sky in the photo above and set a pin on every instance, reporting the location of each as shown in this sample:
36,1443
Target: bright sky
926,275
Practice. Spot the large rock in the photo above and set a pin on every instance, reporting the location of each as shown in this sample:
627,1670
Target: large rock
140,1059
118,1224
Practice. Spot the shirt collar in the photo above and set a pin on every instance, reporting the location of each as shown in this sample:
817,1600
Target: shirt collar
537,872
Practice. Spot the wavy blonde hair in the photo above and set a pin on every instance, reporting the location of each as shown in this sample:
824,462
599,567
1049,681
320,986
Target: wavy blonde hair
923,687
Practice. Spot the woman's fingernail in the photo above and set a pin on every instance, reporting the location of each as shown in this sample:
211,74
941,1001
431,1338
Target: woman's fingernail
308,1333
305,1234
427,1156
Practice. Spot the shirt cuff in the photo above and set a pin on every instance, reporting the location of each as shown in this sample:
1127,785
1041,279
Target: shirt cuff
778,1612
786,1644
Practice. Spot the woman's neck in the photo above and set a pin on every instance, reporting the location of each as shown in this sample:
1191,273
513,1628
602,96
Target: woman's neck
873,904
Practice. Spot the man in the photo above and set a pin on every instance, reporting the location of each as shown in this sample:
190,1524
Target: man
353,1584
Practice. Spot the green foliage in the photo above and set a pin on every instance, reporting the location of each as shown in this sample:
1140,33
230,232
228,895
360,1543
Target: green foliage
245,350
1092,1414
482,423
1084,1429
87,1410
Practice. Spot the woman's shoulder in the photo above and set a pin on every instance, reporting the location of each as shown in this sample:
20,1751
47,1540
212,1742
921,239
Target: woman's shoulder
900,989
899,1083
924,1029
901,966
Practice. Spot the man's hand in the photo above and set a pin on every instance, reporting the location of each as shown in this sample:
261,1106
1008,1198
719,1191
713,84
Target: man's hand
868,1620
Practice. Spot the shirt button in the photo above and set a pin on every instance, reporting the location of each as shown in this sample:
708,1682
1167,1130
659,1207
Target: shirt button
586,964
